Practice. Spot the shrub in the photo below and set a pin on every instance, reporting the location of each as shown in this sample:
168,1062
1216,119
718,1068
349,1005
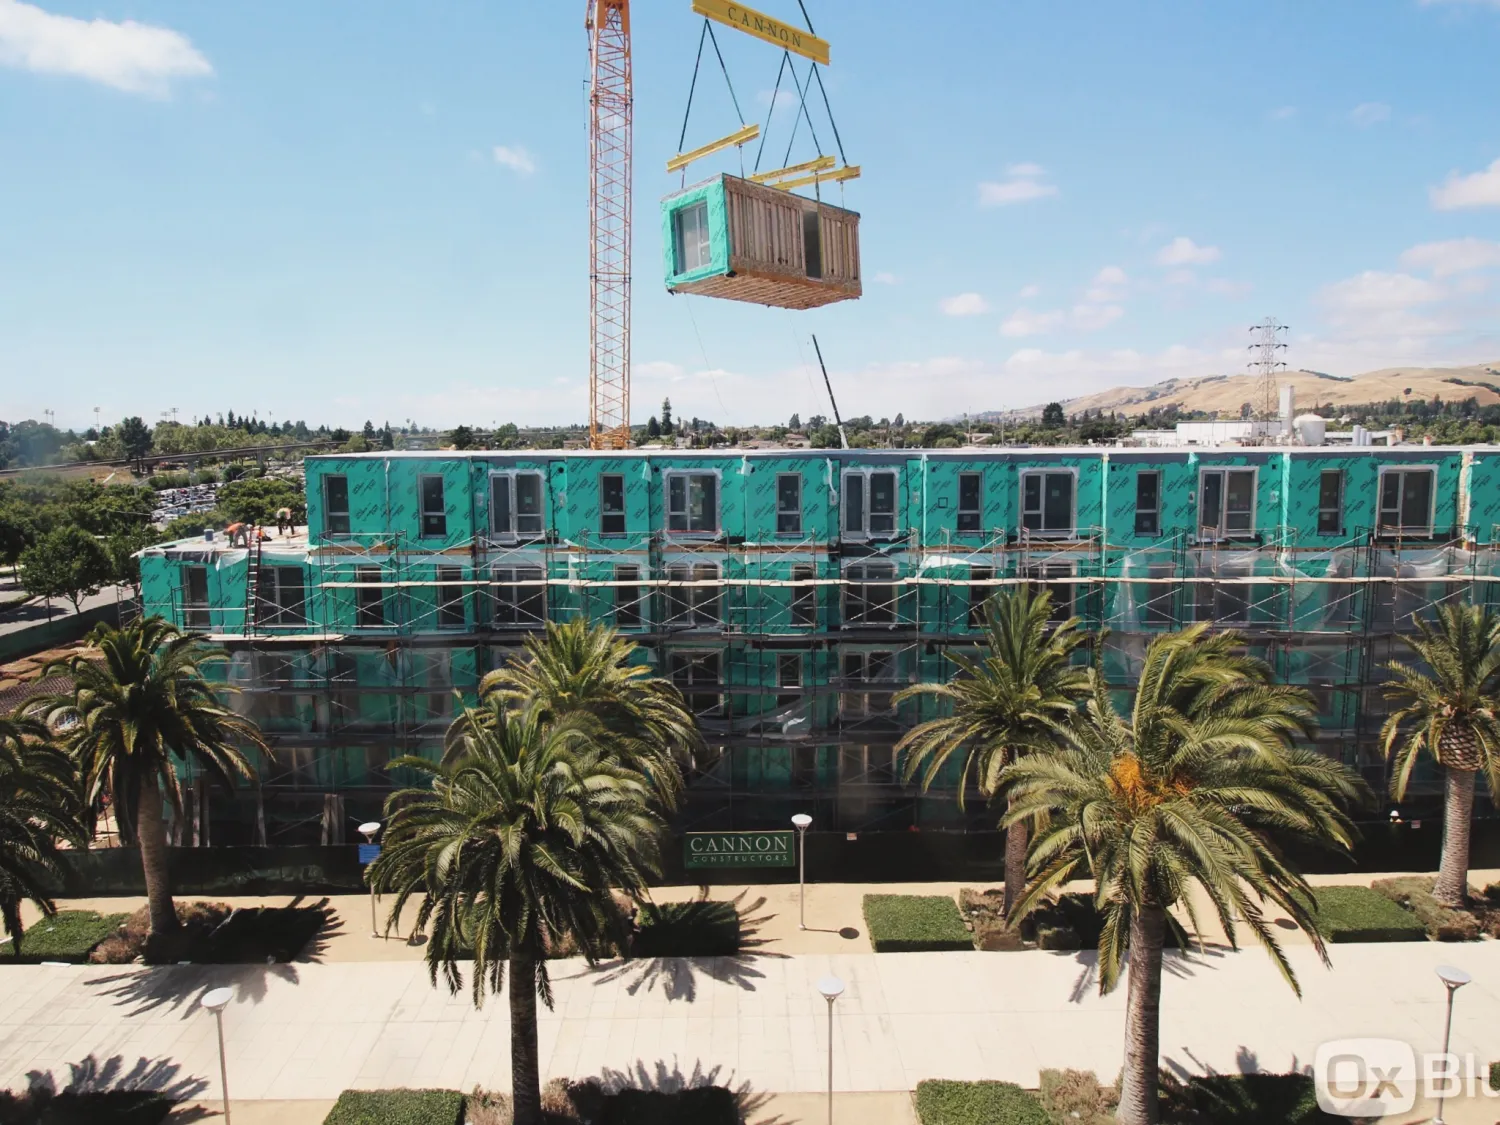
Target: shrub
700,928
1415,893
915,923
69,935
485,1107
977,1103
1350,914
1074,1097
79,1107
1495,1076
214,934
1243,1099
397,1107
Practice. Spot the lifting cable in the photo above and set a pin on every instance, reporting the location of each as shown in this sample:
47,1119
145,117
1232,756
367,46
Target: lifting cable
708,33
816,74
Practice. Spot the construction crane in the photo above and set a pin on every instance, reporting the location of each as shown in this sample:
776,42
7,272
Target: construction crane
610,129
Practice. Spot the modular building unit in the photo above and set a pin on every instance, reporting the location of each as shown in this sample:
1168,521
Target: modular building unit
791,594
743,241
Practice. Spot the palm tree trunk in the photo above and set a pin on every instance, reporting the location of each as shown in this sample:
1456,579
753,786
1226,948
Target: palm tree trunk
1452,887
151,830
1016,838
525,1077
1138,1088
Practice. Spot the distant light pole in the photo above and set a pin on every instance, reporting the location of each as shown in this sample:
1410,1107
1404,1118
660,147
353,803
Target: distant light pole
831,988
1453,979
802,822
369,830
216,1001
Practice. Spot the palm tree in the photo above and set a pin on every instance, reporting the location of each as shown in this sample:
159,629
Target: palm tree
129,715
1452,712
514,848
1199,784
1016,700
577,669
39,806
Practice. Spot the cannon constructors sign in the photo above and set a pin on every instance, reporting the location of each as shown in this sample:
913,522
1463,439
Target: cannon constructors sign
739,849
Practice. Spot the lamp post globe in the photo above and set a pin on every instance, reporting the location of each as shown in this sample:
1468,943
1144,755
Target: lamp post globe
831,988
801,822
216,1000
1453,979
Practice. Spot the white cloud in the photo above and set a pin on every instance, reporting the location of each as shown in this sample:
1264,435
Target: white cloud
1181,277
1024,185
886,278
136,57
964,304
1029,291
1479,189
1283,113
1376,291
1108,285
1370,113
783,97
1026,322
1183,251
515,158
1223,287
1092,318
1458,255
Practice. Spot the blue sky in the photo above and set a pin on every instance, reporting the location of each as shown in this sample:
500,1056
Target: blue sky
339,211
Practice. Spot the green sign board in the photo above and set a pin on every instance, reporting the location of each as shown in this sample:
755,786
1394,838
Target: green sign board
738,849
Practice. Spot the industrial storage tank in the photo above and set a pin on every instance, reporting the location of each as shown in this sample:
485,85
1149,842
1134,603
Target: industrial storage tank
729,237
1310,429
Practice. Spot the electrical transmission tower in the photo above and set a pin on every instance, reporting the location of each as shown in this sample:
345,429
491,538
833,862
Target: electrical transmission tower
1265,362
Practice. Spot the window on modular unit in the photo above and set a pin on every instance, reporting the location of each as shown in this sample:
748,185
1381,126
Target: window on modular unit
1148,502
697,603
693,503
1331,502
450,597
870,593
195,613
788,675
1046,576
867,765
336,504
611,504
1405,502
282,595
690,233
812,243
627,598
434,511
979,595
970,501
1226,602
519,597
869,503
1226,503
369,598
1047,502
692,672
866,668
516,504
804,599
788,503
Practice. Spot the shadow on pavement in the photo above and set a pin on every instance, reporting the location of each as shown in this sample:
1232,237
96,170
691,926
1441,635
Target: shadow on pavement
98,1091
664,1078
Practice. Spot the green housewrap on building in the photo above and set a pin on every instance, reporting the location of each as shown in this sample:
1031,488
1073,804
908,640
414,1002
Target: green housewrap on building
791,593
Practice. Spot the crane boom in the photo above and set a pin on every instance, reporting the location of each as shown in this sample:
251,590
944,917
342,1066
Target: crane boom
611,102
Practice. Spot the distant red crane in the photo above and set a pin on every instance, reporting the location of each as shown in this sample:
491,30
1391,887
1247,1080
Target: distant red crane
611,107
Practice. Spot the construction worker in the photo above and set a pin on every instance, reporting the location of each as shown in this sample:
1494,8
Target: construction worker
238,533
284,522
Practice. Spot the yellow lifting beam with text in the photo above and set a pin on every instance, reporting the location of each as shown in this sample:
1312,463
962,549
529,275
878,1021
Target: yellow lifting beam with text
810,166
849,173
762,26
748,133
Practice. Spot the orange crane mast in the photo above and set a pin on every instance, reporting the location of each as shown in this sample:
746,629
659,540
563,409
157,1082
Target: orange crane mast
611,105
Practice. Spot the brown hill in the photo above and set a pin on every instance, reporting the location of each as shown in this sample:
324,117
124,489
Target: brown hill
1225,394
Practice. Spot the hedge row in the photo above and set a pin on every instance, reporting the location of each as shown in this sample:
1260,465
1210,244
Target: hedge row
1352,914
562,1102
915,924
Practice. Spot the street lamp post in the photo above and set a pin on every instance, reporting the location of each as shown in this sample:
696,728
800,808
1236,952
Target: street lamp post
801,822
215,1001
369,830
1453,979
831,988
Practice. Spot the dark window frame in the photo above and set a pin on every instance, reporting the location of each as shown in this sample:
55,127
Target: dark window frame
1221,527
627,599
451,601
369,602
970,519
611,507
1401,474
195,610
1331,514
1039,513
680,516
1148,518
789,516
691,241
336,520
433,523
513,606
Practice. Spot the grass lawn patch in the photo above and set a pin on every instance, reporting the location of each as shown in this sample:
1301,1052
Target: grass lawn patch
1243,1099
1350,914
942,1102
397,1107
69,935
700,928
1443,923
101,1107
214,934
915,924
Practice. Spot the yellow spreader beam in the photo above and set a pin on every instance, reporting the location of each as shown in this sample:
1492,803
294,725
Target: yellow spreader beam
849,173
762,26
810,166
748,133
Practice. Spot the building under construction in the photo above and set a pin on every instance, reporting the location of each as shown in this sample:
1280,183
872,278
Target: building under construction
791,593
